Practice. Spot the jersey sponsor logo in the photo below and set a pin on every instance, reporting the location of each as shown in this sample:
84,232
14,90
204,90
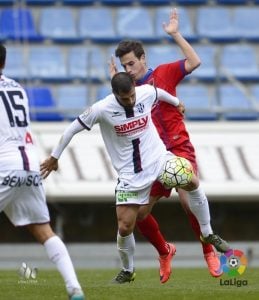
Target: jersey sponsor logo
131,127
16,181
123,196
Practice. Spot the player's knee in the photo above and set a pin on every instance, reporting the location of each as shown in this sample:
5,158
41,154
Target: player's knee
192,185
125,228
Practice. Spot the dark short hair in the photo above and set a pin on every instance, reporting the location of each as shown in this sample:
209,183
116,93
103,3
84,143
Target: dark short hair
122,82
2,55
126,46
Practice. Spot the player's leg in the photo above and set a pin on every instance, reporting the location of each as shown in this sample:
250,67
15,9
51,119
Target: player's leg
187,151
126,218
209,253
149,228
199,206
28,208
58,254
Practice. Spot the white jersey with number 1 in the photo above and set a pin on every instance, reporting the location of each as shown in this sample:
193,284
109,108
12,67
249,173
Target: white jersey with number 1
130,136
17,151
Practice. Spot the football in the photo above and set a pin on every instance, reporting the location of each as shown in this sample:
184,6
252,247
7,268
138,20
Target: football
177,172
233,262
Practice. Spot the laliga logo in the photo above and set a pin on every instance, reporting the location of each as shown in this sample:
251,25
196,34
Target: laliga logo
233,263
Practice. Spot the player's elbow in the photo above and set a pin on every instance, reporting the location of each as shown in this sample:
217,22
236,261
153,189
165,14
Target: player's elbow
192,65
196,64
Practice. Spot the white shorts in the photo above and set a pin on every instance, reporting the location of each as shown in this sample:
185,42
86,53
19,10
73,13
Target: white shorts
22,197
134,188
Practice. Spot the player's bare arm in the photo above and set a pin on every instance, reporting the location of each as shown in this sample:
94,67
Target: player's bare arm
172,28
112,67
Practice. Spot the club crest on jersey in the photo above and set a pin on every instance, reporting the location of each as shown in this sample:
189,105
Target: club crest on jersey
140,107
131,127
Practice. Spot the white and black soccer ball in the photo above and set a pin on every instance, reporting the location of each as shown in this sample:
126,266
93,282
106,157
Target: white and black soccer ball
233,262
177,172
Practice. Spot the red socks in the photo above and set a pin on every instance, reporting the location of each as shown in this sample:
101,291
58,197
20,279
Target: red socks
196,228
150,230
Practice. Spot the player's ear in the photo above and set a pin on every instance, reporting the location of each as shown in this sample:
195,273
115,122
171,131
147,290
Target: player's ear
143,58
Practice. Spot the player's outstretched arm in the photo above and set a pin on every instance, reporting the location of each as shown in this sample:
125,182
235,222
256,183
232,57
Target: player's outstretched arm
162,95
112,67
172,28
51,163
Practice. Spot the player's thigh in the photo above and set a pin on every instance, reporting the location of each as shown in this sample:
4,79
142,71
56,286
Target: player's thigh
127,212
184,200
126,217
144,210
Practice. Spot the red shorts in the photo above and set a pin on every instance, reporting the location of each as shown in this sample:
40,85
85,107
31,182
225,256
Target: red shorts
185,150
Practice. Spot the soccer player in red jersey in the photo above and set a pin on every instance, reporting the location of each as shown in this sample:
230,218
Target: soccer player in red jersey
172,130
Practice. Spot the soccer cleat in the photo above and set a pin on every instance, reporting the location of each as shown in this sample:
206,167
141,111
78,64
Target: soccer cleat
165,264
216,241
213,263
124,276
77,294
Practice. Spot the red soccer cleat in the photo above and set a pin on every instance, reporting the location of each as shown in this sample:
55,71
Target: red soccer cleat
165,264
213,263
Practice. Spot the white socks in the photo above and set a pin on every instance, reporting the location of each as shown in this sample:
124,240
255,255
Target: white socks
58,254
200,208
126,248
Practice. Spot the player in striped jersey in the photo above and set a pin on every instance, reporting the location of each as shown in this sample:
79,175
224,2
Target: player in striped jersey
137,154
170,125
22,197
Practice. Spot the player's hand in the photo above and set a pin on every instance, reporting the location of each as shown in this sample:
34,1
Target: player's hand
112,67
181,108
50,164
172,27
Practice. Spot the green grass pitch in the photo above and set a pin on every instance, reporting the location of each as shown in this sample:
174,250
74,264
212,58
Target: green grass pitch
184,284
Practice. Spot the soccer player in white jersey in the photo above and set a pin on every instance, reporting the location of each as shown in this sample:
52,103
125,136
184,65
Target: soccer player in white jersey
22,196
137,154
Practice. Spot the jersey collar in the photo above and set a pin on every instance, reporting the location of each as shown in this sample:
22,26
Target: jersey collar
145,77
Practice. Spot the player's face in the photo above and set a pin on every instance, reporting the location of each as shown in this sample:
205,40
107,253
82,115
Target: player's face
134,66
127,100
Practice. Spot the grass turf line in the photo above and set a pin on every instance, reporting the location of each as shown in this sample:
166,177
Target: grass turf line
185,284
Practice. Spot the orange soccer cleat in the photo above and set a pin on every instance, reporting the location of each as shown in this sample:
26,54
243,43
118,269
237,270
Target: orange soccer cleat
165,264
213,263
